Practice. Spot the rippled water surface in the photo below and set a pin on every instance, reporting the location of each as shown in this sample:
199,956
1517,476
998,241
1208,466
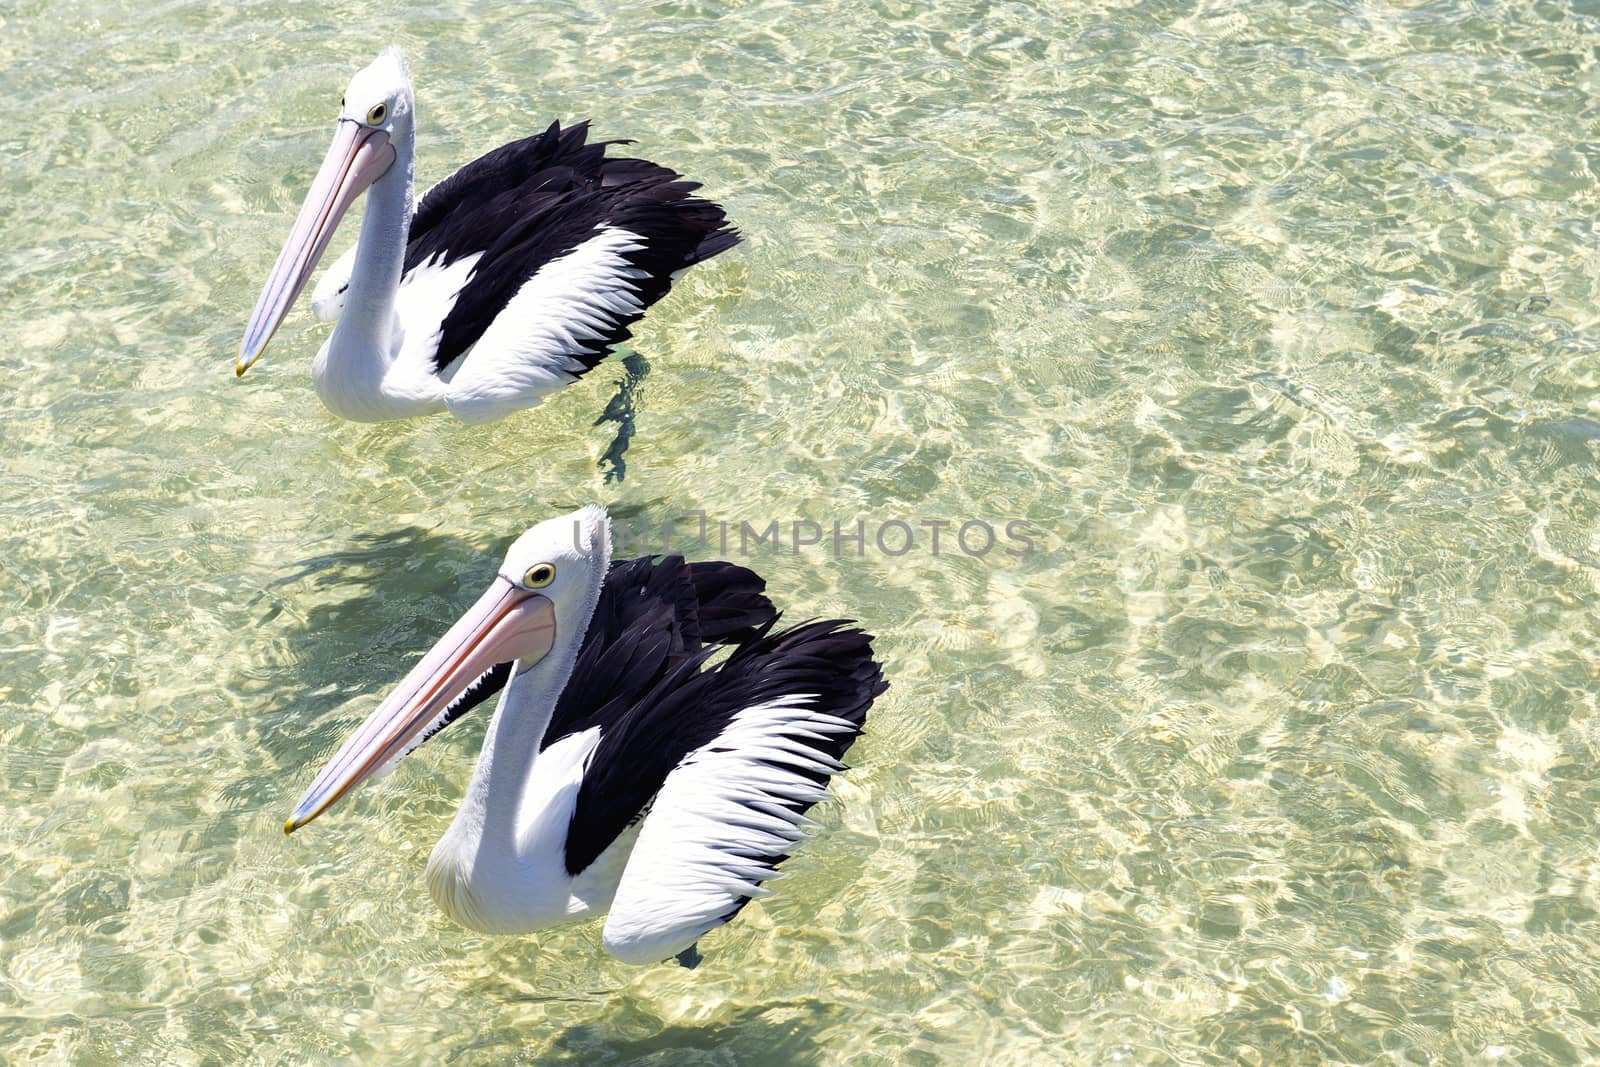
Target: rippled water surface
1277,321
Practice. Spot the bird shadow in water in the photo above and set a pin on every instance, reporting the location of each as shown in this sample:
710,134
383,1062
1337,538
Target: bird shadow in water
620,410
773,1035
397,592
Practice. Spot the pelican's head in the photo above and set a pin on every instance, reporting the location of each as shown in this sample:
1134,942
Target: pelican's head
375,116
541,600
379,95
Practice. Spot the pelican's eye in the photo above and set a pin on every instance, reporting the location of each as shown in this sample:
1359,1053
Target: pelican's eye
378,113
539,575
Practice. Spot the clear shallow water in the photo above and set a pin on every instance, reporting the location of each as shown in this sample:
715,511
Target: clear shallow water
1277,320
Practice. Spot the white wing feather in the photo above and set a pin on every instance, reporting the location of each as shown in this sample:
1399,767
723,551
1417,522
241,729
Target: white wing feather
524,354
718,821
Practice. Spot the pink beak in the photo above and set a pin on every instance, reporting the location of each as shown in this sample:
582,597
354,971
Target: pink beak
358,157
507,623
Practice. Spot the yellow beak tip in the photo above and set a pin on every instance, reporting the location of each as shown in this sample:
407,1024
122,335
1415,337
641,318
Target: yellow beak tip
289,826
239,369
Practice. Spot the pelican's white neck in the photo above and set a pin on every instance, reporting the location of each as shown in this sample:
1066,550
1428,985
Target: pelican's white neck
369,305
351,371
502,865
499,866
494,799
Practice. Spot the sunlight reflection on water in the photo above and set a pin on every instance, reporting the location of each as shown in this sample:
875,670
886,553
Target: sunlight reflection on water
1278,323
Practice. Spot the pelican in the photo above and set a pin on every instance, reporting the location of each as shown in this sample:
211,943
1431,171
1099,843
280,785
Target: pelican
511,278
623,770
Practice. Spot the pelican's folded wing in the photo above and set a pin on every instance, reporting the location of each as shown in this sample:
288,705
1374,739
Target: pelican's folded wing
769,728
570,247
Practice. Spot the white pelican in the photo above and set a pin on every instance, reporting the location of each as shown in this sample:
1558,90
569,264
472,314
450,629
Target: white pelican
621,773
513,277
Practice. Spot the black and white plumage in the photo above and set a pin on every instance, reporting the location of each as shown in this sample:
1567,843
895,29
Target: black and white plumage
627,769
511,278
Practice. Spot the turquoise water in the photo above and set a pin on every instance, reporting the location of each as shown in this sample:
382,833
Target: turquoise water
1276,321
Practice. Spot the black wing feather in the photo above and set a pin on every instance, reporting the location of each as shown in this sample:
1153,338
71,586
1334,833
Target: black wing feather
488,684
644,621
653,614
731,607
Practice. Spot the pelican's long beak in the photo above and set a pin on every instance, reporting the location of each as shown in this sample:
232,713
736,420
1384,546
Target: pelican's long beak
358,157
507,623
